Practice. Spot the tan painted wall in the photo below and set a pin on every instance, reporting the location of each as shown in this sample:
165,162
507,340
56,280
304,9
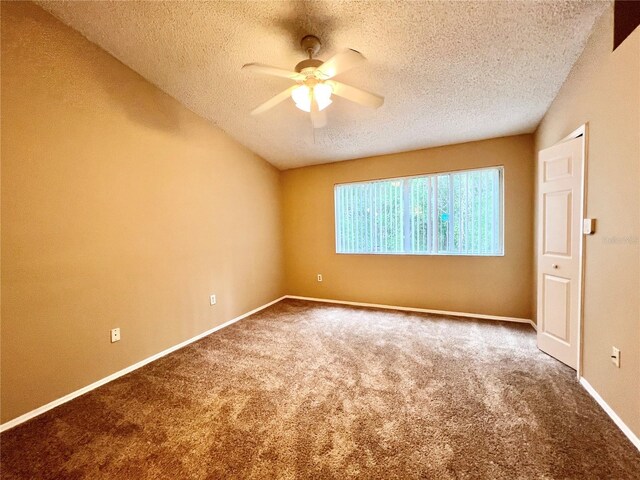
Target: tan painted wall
120,208
487,285
603,89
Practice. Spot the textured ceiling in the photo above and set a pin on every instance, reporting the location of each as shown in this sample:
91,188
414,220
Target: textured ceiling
450,72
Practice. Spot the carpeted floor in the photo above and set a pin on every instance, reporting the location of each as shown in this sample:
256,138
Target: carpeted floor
309,390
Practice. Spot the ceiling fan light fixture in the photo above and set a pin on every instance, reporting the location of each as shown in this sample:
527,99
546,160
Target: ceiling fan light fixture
301,95
314,83
322,93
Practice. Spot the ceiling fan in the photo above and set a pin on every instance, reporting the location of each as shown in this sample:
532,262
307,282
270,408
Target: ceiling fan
314,85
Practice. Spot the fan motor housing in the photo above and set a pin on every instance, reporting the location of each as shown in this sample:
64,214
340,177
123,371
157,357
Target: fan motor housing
309,63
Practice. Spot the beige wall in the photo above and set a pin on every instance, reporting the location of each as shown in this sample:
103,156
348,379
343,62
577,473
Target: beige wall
120,208
603,89
486,285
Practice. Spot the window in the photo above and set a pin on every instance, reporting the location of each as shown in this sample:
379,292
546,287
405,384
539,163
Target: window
454,213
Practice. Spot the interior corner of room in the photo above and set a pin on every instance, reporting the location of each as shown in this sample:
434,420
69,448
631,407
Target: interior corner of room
133,200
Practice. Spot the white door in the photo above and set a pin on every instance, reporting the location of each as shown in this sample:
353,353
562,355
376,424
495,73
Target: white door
560,249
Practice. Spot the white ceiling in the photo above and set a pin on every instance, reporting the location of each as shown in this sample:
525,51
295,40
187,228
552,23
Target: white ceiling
450,71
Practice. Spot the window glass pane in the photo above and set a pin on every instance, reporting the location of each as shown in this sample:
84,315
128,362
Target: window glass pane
369,217
421,213
458,210
449,213
443,212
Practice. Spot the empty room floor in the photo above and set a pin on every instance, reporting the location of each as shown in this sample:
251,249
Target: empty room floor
311,390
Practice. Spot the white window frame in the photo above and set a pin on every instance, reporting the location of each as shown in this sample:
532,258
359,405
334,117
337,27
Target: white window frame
406,214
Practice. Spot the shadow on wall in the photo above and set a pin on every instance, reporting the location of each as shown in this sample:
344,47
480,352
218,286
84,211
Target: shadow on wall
129,91
150,107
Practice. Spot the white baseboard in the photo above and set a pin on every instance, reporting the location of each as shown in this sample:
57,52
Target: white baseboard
70,396
40,410
614,416
421,310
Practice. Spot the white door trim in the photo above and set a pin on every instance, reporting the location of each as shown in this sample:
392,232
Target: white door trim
582,131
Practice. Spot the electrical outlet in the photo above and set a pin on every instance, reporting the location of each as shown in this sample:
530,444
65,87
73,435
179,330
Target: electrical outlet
319,277
212,299
115,335
615,356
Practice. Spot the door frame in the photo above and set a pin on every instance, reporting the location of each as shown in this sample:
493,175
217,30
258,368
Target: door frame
582,131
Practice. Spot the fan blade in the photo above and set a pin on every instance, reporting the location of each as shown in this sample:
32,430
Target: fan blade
356,94
269,70
318,117
341,62
282,96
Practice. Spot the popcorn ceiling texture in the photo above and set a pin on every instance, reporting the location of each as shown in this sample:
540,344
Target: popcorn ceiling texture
451,72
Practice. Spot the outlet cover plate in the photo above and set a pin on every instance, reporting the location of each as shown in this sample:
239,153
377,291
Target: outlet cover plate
115,335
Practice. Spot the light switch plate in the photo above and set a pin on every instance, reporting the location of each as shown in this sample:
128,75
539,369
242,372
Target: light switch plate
212,300
589,226
615,356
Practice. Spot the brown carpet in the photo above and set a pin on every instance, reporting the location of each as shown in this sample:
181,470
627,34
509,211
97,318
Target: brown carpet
309,390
